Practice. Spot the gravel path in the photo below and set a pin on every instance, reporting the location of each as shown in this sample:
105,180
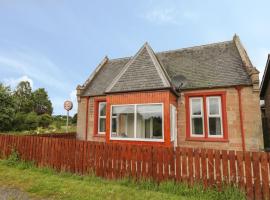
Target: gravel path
7,193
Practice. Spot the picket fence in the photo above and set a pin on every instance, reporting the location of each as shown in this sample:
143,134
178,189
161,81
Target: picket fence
247,170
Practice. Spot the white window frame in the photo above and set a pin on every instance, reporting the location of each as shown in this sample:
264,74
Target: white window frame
135,124
173,119
196,116
101,117
214,115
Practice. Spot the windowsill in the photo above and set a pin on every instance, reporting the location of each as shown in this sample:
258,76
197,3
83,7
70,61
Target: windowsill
201,139
136,139
99,135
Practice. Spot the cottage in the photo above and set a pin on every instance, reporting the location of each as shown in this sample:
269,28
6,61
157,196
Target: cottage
202,96
265,96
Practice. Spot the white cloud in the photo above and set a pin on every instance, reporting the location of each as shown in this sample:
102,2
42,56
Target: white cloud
169,16
13,82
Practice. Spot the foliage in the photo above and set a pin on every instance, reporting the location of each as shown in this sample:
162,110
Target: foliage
42,104
74,119
23,97
31,121
6,108
47,183
23,109
44,120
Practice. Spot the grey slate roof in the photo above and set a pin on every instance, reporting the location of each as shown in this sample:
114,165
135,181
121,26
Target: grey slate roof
207,66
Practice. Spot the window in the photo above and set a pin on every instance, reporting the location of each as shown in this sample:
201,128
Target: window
206,116
173,125
214,116
196,117
101,117
137,122
122,121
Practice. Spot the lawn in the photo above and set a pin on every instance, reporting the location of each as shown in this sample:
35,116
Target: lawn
48,184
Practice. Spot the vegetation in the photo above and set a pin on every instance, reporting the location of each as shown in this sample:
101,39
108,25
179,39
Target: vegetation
24,110
46,183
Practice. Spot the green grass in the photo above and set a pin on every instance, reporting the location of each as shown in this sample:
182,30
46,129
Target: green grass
46,183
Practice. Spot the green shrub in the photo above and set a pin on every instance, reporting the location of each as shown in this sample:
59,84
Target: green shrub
44,120
31,121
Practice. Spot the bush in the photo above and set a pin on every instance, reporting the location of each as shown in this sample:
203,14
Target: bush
19,122
31,121
44,120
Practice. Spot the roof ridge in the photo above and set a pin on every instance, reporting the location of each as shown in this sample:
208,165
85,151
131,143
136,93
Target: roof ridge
180,49
122,58
195,47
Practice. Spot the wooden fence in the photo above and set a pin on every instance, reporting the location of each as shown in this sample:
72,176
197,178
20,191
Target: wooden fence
248,170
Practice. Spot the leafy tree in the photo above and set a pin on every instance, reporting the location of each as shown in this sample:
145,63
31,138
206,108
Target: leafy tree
44,120
31,121
23,97
19,122
74,119
7,111
42,103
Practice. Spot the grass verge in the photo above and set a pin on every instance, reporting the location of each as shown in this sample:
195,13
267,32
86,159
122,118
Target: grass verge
46,183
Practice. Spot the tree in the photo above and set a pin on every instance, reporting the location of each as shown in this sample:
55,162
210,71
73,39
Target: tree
31,121
42,103
6,108
23,97
44,120
74,119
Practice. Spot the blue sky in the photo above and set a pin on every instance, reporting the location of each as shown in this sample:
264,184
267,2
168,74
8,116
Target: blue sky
56,44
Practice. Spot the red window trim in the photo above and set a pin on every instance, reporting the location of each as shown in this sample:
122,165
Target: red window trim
222,94
96,110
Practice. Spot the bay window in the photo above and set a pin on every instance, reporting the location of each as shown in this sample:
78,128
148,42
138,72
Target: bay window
137,122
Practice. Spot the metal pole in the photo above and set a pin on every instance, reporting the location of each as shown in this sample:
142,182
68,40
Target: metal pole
67,122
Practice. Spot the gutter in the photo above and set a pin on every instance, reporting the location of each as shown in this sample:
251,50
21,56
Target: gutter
239,88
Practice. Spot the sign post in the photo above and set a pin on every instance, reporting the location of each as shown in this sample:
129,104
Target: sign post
68,106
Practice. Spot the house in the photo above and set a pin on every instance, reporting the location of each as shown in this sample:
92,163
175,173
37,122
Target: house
202,96
265,96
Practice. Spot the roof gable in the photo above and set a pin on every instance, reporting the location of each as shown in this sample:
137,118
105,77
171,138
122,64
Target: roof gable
142,72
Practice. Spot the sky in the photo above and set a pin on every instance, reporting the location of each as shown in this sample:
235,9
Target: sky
56,44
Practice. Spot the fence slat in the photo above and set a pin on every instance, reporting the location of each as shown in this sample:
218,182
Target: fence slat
248,172
256,174
218,168
265,175
232,167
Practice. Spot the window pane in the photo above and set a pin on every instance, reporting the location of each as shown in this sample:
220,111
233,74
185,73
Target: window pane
197,126
123,125
102,109
102,125
214,126
149,121
196,106
214,106
114,125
